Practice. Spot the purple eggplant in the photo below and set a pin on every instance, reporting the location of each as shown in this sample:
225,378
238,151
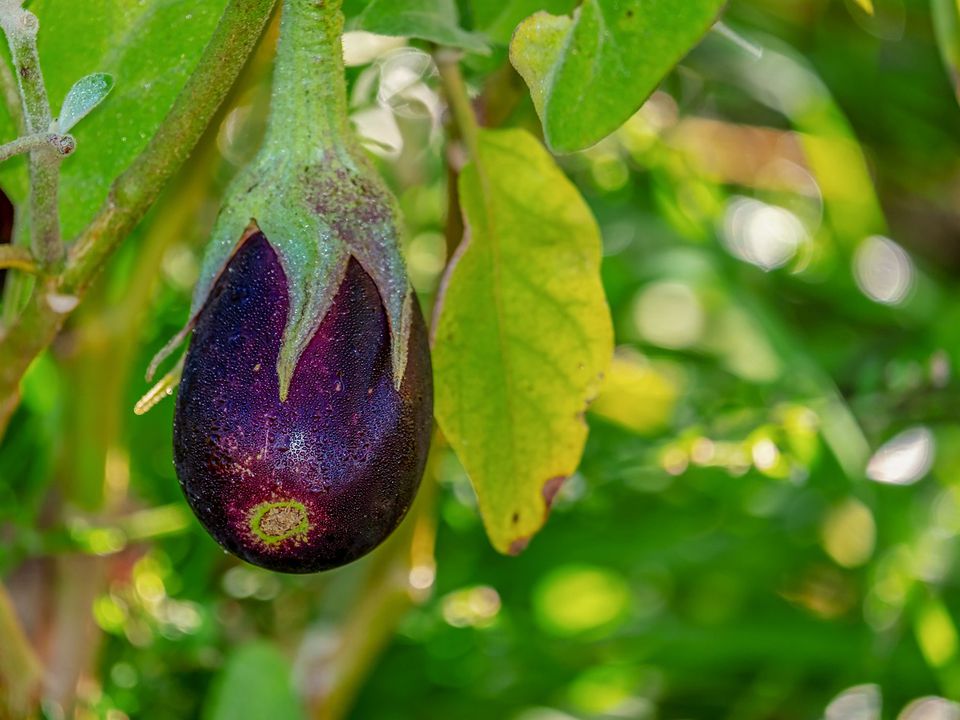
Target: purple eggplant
323,477
304,410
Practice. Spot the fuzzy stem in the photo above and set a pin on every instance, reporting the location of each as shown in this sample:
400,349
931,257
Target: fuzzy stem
20,26
62,144
308,108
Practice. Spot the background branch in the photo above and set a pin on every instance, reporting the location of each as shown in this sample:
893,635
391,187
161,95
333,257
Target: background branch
20,671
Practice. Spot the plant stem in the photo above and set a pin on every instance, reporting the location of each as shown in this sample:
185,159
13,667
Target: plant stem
462,130
17,258
20,26
455,91
62,144
308,106
133,192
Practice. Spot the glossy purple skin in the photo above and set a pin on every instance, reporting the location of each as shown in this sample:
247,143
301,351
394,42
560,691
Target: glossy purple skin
6,229
345,448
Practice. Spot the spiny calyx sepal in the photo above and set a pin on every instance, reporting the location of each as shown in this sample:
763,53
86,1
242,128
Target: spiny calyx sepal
316,216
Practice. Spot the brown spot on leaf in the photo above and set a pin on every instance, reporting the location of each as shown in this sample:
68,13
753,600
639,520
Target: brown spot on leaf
550,489
519,545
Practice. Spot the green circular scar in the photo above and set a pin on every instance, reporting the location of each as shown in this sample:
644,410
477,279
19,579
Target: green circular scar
274,522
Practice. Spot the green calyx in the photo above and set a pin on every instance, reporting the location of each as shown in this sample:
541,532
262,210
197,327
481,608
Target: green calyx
313,194
279,197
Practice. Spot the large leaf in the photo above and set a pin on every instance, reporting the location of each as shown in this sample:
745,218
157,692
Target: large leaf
434,20
523,333
255,683
150,49
589,73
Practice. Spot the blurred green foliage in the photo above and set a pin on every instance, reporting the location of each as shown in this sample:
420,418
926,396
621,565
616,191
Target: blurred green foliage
763,525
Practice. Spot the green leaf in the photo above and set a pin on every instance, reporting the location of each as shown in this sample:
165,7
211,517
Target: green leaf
499,18
523,333
588,74
254,684
150,48
946,22
434,20
84,96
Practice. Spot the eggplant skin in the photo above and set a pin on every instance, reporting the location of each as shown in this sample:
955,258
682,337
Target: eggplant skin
322,478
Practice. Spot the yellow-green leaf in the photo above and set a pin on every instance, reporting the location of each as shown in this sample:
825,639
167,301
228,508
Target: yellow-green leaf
590,72
523,333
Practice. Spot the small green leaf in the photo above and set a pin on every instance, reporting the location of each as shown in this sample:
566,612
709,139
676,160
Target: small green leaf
434,20
589,73
84,96
254,684
523,333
